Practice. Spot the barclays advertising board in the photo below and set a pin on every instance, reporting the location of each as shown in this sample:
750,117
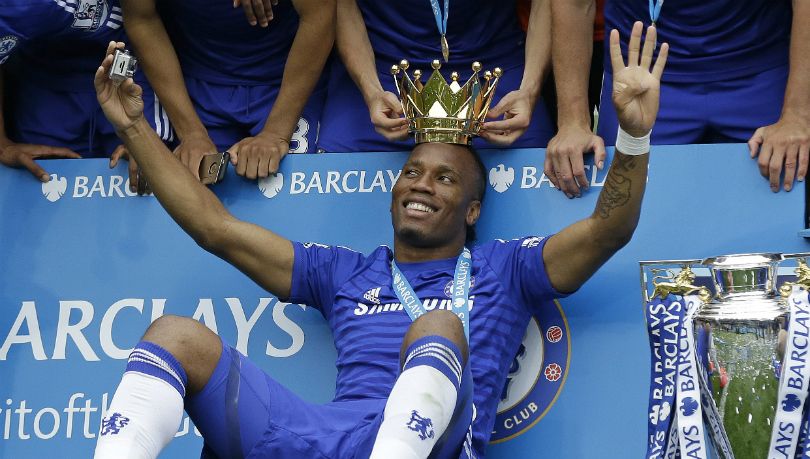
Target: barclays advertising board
86,266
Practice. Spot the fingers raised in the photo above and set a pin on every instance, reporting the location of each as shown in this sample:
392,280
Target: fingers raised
616,59
649,47
661,61
635,44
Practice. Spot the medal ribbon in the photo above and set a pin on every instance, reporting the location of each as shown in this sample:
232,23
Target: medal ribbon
655,9
441,24
690,413
794,379
461,291
664,322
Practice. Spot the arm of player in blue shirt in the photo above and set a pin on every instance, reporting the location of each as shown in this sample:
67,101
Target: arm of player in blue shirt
517,106
264,256
575,253
785,145
358,57
159,61
572,43
260,155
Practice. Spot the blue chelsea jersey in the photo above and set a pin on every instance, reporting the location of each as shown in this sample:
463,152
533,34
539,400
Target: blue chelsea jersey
355,295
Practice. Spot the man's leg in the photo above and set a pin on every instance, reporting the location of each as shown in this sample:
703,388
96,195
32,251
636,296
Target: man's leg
424,398
175,358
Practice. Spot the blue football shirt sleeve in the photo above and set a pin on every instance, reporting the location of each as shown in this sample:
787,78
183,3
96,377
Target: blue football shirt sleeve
519,263
319,271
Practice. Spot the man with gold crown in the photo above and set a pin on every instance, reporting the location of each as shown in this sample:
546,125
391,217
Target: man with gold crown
411,383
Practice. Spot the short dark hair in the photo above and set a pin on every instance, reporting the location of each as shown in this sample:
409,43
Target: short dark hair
481,189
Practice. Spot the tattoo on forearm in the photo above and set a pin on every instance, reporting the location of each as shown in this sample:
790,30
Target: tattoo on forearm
616,191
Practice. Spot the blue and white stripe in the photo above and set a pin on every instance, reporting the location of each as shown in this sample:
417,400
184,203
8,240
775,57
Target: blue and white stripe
162,126
153,360
438,353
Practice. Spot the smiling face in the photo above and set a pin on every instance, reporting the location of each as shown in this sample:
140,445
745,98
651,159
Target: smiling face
436,197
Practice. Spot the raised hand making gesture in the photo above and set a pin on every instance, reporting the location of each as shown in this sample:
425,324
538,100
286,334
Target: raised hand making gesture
636,87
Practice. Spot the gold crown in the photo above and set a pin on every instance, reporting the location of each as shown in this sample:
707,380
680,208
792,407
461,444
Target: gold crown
441,112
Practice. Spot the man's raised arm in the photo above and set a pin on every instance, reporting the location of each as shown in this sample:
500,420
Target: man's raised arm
264,256
575,253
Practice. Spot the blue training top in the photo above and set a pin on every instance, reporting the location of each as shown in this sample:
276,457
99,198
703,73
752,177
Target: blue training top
355,295
710,40
215,43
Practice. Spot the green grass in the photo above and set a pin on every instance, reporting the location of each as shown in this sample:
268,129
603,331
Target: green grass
748,403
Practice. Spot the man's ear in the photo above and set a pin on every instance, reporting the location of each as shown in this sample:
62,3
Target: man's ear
473,212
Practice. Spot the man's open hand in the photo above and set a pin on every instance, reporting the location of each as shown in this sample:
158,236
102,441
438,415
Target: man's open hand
636,87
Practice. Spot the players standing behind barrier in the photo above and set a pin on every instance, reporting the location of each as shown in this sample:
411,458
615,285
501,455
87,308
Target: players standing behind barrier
373,35
405,375
729,74
230,85
47,49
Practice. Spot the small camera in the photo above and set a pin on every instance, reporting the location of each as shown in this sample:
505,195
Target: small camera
123,66
213,167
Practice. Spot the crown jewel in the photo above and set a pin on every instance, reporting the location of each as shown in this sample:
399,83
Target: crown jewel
442,112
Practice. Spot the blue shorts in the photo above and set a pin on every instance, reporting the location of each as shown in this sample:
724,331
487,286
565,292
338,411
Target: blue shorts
346,123
41,114
243,412
232,112
726,111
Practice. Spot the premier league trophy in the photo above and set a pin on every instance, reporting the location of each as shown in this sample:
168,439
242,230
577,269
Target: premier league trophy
730,360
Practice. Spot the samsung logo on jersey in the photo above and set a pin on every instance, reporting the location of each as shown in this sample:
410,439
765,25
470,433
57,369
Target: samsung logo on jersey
429,305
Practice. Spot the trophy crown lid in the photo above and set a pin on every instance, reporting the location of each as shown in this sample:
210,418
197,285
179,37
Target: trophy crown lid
438,111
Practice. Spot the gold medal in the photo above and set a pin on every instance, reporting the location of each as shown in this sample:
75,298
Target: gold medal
445,49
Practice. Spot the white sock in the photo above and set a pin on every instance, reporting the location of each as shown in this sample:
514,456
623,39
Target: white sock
145,411
422,401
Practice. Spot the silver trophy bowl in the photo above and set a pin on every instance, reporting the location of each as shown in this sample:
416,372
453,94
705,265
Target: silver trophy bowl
738,337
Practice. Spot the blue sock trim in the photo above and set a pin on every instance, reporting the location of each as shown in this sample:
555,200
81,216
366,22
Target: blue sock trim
151,359
437,352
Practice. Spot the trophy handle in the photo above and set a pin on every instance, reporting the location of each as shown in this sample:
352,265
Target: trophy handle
802,274
661,278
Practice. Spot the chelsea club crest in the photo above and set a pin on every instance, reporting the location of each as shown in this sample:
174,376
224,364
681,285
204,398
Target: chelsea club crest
7,44
537,375
90,14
